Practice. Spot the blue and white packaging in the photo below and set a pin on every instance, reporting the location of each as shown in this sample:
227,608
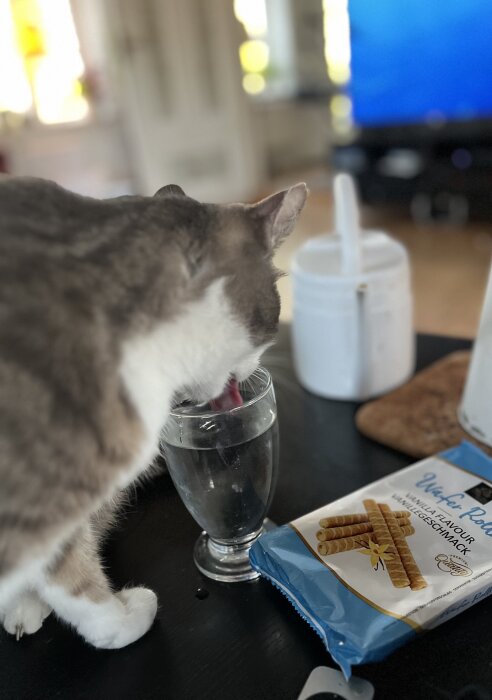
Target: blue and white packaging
434,525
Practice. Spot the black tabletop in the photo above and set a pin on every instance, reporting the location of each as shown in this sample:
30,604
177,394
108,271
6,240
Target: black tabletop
245,641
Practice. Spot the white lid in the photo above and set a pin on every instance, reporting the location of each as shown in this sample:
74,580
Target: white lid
349,252
323,256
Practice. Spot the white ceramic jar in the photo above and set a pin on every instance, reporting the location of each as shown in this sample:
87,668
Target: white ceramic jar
352,324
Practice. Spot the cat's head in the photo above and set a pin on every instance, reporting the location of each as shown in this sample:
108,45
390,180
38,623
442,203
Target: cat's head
232,263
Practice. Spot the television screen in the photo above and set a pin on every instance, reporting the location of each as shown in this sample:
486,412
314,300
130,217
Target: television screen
416,61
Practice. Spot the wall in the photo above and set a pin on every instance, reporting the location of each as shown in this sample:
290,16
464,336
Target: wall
90,159
295,134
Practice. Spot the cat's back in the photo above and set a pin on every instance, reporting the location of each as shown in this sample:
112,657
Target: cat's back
54,342
50,238
31,205
76,276
37,214
40,226
63,318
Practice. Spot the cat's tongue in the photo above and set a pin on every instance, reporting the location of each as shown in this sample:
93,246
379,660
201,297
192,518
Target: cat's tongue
230,397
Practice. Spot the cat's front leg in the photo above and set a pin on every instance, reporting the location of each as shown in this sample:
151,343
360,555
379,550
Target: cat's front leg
24,613
77,588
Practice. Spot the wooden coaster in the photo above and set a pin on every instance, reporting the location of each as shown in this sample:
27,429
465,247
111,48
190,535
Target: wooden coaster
420,418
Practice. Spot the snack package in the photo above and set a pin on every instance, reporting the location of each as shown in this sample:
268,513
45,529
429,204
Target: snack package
406,553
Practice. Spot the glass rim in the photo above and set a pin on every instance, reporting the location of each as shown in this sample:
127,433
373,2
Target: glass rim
179,413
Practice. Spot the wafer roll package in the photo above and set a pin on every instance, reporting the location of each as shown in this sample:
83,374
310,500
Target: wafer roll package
374,569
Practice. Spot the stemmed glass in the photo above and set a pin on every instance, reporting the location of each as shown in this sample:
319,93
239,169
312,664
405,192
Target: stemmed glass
224,467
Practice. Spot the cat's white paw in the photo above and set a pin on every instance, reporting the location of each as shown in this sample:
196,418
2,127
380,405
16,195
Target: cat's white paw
25,615
134,615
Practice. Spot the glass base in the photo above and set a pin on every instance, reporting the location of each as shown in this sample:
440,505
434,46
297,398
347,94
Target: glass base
227,562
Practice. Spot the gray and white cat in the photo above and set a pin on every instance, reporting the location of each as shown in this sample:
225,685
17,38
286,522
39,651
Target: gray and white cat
108,309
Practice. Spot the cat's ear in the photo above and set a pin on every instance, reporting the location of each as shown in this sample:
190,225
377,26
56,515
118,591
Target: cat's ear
170,190
279,213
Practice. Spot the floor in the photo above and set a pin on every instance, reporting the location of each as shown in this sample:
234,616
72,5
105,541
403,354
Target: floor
449,264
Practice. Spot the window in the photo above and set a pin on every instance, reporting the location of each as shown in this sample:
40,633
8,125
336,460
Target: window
254,51
42,71
282,54
337,55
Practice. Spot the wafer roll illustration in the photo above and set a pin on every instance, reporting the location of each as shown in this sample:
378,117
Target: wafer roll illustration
417,581
394,566
345,544
333,533
355,518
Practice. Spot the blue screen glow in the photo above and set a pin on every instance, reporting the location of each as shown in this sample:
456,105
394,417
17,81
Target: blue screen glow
418,60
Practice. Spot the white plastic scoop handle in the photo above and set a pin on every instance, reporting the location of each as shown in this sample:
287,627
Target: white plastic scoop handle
347,224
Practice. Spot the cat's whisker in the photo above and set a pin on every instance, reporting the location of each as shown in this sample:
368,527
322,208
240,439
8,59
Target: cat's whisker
287,384
246,384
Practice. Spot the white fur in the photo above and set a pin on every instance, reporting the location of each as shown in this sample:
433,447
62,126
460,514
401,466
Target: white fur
23,577
197,351
24,614
118,621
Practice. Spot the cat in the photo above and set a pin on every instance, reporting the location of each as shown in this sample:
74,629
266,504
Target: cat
108,310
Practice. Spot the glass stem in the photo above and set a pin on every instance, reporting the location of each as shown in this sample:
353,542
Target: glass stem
239,549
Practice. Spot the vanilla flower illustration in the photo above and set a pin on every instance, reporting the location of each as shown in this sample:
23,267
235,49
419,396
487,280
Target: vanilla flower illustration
378,554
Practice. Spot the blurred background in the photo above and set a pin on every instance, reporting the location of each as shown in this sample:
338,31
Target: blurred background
233,99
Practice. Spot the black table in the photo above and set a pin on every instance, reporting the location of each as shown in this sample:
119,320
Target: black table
245,641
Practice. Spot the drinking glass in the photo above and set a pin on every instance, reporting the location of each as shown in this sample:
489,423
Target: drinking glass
224,467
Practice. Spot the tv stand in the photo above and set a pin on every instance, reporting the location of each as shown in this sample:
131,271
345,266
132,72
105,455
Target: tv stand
432,176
